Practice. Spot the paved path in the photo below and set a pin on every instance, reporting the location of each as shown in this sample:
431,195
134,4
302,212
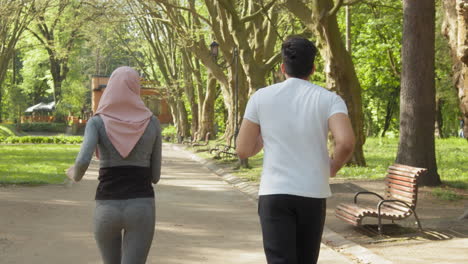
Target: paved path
200,219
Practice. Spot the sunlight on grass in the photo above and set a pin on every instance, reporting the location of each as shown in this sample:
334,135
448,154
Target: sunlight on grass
35,164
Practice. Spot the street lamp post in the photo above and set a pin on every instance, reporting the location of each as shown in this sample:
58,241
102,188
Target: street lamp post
214,51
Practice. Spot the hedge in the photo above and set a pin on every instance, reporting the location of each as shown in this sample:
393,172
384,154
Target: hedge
44,127
41,140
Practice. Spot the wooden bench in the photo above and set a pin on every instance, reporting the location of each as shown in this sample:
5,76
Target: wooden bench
401,194
198,144
192,139
223,151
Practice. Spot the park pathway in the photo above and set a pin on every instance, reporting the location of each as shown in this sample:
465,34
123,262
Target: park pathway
200,219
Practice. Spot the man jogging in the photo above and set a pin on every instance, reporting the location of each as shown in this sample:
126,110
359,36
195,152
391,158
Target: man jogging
291,121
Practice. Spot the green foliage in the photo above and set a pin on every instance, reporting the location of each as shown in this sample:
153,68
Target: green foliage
37,82
169,133
446,194
376,35
6,131
35,164
44,127
41,140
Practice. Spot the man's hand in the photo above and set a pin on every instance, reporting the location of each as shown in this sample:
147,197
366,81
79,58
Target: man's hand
343,135
249,141
333,168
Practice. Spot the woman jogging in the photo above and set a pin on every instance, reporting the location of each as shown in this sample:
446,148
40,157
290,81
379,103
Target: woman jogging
128,141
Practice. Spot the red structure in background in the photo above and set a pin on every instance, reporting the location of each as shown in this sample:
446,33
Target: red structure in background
151,97
37,118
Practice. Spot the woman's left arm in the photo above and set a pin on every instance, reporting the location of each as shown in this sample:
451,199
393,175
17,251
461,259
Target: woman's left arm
88,147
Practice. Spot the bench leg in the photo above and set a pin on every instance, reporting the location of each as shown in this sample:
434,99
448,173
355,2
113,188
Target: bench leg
417,220
380,225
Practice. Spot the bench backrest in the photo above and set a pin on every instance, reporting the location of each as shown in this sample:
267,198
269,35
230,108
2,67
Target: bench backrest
401,183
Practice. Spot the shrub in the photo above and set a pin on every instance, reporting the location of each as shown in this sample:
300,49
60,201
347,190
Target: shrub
41,140
44,127
169,133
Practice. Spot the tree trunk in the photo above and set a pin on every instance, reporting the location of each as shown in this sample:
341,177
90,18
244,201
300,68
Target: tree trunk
1,102
57,79
439,121
179,115
183,119
417,97
454,29
190,91
207,115
392,103
348,29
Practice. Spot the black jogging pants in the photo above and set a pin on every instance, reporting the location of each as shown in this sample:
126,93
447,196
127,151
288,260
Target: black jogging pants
292,228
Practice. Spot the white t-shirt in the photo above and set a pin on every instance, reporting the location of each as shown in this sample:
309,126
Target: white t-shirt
293,117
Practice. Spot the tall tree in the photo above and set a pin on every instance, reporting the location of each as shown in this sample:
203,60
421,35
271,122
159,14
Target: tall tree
455,30
319,16
169,57
15,16
58,27
417,97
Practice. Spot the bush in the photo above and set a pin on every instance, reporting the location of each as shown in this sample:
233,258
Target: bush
169,133
44,127
41,140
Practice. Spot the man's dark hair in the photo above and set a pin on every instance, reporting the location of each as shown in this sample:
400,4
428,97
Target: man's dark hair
298,56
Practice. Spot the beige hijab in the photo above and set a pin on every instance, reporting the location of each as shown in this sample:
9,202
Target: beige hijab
124,114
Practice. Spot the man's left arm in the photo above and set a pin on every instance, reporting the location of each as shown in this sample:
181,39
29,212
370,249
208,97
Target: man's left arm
249,141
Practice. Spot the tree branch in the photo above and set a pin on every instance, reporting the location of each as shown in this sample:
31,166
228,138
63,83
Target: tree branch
300,9
193,12
335,9
352,2
273,60
258,12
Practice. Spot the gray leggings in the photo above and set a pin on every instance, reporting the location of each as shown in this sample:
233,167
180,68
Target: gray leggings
124,229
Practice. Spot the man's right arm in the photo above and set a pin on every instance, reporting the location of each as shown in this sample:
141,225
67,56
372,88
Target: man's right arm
343,135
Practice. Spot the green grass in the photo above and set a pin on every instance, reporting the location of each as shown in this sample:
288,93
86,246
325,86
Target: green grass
35,164
451,154
446,194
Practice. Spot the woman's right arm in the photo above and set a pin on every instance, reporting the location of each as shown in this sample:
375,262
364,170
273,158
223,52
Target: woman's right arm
87,149
156,156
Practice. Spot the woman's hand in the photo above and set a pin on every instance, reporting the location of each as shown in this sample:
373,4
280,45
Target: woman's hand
70,172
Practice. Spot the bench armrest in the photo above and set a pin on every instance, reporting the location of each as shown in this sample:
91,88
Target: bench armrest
379,205
373,193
